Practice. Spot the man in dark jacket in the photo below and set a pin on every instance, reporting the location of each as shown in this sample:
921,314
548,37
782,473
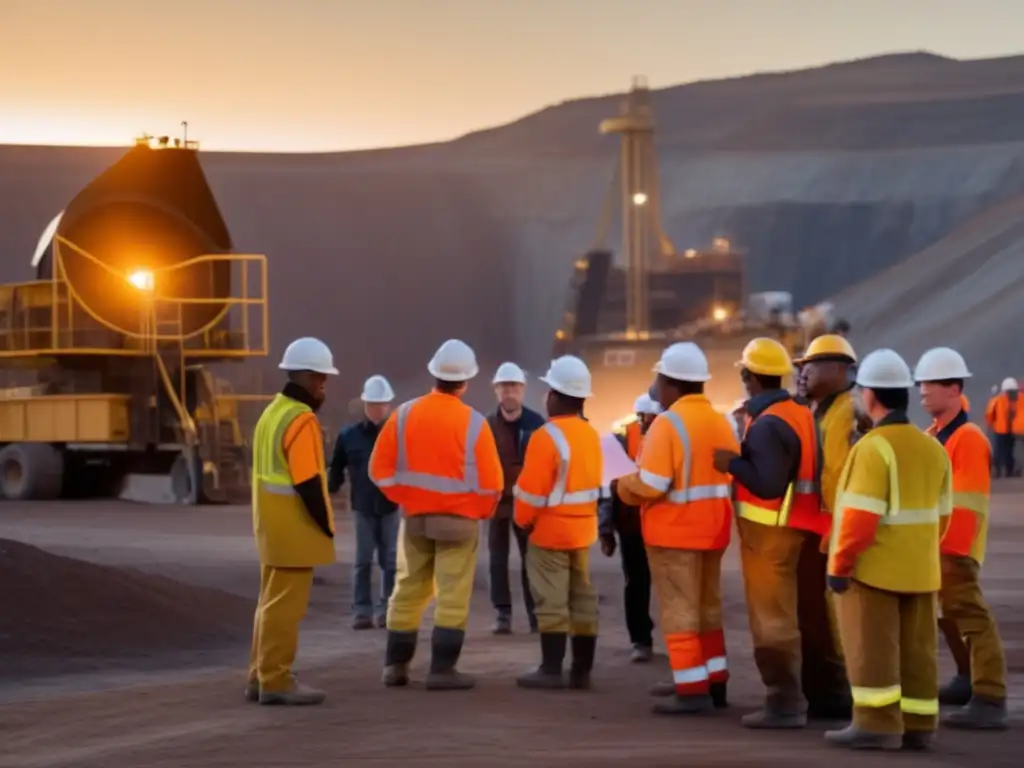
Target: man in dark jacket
376,518
512,424
616,517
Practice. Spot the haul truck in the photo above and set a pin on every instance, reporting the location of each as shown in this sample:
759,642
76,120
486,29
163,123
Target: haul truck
137,290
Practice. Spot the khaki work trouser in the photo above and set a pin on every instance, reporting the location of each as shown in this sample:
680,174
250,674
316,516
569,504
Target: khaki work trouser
433,550
283,600
891,643
565,597
770,557
688,584
963,603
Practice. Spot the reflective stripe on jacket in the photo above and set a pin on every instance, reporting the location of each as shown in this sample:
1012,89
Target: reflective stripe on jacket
895,490
970,456
686,502
801,506
560,485
286,536
436,455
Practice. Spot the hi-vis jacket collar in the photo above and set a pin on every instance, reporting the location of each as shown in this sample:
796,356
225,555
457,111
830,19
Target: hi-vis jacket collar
757,405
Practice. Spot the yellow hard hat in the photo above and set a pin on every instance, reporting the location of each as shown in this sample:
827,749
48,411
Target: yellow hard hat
829,345
766,357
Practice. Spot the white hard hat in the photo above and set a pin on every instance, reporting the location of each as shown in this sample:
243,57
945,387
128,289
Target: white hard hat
453,361
568,375
644,404
308,354
1009,383
940,364
884,369
377,390
509,373
683,361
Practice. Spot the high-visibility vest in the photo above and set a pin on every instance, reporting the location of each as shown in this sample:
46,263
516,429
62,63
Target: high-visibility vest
678,459
427,459
634,440
1006,416
801,506
567,507
909,494
286,536
970,455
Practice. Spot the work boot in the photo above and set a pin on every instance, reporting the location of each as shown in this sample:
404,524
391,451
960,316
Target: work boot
685,705
641,653
252,691
773,718
446,646
297,695
362,622
830,708
401,647
981,714
534,626
549,673
918,741
719,697
853,737
957,692
583,650
382,620
502,624
663,689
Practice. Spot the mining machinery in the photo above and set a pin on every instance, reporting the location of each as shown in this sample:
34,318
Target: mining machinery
138,290
620,316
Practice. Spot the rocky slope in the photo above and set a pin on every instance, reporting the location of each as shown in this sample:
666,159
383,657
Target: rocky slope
827,176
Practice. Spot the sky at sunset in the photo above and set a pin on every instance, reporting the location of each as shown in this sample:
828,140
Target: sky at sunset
314,75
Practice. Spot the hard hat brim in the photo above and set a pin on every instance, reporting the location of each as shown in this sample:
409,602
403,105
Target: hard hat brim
452,377
837,357
332,371
689,377
507,381
762,371
376,400
558,388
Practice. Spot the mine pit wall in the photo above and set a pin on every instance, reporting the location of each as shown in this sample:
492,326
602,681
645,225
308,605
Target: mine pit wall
385,259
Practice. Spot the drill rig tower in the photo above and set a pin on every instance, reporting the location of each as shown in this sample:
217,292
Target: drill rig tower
642,235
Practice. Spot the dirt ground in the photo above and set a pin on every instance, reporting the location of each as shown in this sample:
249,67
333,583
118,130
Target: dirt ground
186,710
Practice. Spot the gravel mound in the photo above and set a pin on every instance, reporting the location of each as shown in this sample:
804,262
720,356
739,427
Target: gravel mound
58,612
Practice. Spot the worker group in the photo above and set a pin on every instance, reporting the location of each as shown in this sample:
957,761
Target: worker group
860,535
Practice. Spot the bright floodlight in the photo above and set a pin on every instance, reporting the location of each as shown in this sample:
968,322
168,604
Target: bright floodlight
639,198
720,313
141,279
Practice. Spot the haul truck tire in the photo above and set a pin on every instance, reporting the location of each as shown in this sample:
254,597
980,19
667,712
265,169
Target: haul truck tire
31,471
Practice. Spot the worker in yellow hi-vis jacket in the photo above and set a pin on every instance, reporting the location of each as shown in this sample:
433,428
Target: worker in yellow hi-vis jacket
292,520
884,566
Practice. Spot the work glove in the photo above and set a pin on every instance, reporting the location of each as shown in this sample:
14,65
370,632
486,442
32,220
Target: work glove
608,545
839,584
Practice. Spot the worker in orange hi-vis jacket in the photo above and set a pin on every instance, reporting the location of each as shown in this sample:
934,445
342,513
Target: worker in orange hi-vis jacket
686,513
1005,417
982,695
437,460
556,499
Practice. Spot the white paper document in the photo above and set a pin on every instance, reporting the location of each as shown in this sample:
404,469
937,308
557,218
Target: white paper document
616,461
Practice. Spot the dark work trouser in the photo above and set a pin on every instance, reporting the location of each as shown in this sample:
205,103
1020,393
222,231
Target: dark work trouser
375,534
499,534
637,591
823,672
1004,454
